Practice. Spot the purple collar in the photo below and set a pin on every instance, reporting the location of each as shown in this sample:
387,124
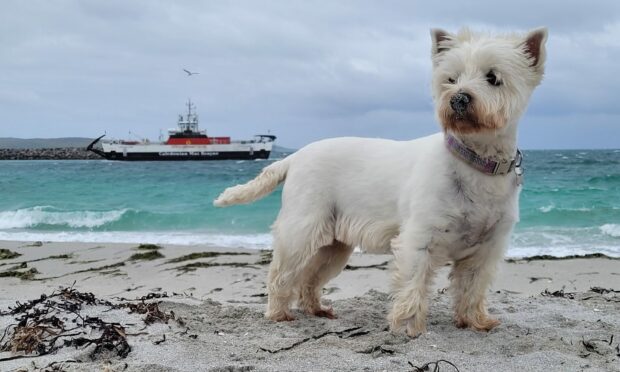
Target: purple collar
484,165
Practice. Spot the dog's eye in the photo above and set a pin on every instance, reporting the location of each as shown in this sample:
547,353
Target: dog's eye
492,79
451,81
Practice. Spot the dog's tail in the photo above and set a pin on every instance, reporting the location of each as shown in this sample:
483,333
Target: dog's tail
262,185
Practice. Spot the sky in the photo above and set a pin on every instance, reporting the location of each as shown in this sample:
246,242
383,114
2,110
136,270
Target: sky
302,70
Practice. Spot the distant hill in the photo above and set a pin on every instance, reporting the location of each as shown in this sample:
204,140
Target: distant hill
277,148
43,143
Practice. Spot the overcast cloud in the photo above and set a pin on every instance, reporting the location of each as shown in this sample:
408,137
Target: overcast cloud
305,70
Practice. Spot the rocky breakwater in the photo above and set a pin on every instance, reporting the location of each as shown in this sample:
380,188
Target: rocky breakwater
63,153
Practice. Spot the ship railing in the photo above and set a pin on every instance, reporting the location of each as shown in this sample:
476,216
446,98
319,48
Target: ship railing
259,138
126,142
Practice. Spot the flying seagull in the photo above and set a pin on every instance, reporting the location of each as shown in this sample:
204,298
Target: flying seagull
189,73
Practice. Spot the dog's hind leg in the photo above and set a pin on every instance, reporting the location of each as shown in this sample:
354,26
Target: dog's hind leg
415,266
325,265
280,284
296,241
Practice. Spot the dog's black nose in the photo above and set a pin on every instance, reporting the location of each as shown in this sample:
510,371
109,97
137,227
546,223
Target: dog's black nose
459,102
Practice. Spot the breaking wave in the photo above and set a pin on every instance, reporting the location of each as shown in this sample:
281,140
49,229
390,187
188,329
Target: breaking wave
611,229
551,207
50,216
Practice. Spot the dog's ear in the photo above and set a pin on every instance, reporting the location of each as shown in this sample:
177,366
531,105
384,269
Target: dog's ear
534,47
440,39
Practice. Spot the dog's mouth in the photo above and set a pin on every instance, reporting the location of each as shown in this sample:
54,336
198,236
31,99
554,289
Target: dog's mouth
463,123
469,121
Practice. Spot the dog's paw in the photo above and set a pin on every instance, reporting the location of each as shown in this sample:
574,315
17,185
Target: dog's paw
415,331
324,312
414,326
281,316
480,323
411,317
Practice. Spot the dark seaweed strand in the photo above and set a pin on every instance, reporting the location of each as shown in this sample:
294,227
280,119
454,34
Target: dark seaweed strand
39,327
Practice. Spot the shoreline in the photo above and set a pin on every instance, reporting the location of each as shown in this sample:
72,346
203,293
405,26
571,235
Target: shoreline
255,241
547,308
52,153
57,262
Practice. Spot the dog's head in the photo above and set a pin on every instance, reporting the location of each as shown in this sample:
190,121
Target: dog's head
482,83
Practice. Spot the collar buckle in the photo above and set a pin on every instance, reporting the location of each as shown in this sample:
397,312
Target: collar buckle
503,167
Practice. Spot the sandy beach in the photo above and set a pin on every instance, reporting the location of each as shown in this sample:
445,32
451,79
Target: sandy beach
557,315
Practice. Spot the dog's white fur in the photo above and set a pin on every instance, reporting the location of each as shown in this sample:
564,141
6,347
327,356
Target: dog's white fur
412,197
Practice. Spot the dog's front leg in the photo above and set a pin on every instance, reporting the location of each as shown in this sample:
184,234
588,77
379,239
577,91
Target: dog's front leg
415,266
470,279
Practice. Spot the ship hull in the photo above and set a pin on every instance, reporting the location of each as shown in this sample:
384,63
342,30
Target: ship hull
238,150
183,156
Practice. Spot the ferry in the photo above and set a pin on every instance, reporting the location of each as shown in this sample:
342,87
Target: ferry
186,142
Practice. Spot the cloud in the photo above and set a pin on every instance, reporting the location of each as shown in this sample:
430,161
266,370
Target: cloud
305,70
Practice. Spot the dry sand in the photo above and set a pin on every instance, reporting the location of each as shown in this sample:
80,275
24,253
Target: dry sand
220,300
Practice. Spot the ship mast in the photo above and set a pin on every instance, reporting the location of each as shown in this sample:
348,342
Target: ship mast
189,123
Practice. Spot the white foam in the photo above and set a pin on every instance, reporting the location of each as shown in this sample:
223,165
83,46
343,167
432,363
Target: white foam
551,207
561,251
611,230
251,241
564,241
46,215
556,239
547,208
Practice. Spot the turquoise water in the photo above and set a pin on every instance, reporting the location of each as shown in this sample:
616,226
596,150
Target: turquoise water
570,203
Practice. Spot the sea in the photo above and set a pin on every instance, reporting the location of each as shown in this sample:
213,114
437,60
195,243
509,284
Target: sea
570,203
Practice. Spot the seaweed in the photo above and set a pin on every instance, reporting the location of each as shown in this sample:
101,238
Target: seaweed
535,278
100,268
58,366
43,326
377,350
23,275
6,254
601,290
151,311
381,266
18,265
49,323
265,257
560,293
53,257
195,265
546,257
84,262
435,364
57,257
340,334
112,339
152,295
197,255
146,256
160,341
590,346
145,246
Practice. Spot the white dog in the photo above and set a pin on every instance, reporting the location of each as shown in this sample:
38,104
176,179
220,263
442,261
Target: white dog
449,197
